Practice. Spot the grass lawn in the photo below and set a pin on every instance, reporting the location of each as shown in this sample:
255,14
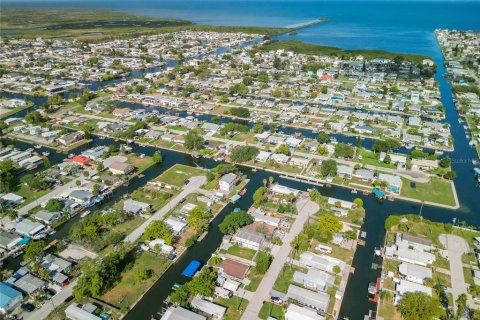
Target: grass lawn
442,278
442,263
15,110
29,195
179,128
255,279
178,174
437,190
241,252
467,273
155,198
337,251
141,164
128,290
235,307
271,309
388,311
129,225
284,279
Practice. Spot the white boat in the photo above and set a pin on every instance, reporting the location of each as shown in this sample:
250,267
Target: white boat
39,236
37,146
85,213
46,153
51,233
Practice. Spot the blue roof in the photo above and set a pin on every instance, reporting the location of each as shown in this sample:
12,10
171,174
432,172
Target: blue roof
192,267
378,193
7,293
23,241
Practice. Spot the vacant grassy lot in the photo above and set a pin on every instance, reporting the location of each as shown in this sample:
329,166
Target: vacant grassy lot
255,279
178,174
141,164
235,307
271,309
437,190
241,252
284,279
128,290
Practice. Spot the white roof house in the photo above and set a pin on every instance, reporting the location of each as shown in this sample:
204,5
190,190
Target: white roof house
75,313
28,227
208,307
295,312
263,156
164,248
316,300
135,207
321,262
314,279
283,190
280,158
249,239
406,286
227,182
345,170
413,272
29,284
273,221
46,216
176,225
415,256
8,240
179,313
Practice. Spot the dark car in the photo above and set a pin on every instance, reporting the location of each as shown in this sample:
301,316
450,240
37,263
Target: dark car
28,307
186,182
276,300
50,292
68,299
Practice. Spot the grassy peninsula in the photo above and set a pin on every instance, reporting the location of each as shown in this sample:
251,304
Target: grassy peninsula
318,50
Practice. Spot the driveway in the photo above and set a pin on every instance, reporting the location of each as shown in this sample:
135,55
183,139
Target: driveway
305,208
49,305
193,185
456,247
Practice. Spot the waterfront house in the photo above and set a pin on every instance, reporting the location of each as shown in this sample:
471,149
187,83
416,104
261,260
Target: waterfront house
28,227
249,239
179,313
227,182
414,273
74,312
11,199
70,138
424,164
279,191
82,197
8,240
263,156
47,217
414,256
416,242
122,168
163,247
305,297
56,264
314,279
405,286
135,207
345,171
296,312
9,298
365,174
320,262
176,225
234,269
212,309
394,183
121,112
280,158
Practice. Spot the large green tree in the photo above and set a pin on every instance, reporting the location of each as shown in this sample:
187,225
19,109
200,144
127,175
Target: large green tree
7,175
418,305
158,230
194,140
234,221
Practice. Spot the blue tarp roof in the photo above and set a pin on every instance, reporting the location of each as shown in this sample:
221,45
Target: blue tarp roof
23,241
7,293
192,267
378,193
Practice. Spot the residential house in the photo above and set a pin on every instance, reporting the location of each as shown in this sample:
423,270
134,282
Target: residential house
227,182
75,312
234,269
176,225
212,309
135,207
249,239
179,313
320,262
405,286
314,279
120,168
296,312
9,298
305,297
8,240
29,228
414,273
70,138
29,284
47,217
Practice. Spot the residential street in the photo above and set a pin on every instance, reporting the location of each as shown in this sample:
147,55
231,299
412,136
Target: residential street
48,306
194,184
456,247
305,208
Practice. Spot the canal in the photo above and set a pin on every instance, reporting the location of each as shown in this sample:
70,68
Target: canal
355,303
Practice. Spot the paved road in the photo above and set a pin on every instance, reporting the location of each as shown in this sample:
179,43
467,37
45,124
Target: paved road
55,192
305,208
456,247
194,185
48,306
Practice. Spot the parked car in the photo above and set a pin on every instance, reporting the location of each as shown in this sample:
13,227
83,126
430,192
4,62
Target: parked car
276,300
28,307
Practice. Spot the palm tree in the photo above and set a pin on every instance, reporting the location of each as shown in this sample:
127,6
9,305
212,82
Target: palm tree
264,182
270,179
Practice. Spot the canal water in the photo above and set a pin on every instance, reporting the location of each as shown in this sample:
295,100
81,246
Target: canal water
355,302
